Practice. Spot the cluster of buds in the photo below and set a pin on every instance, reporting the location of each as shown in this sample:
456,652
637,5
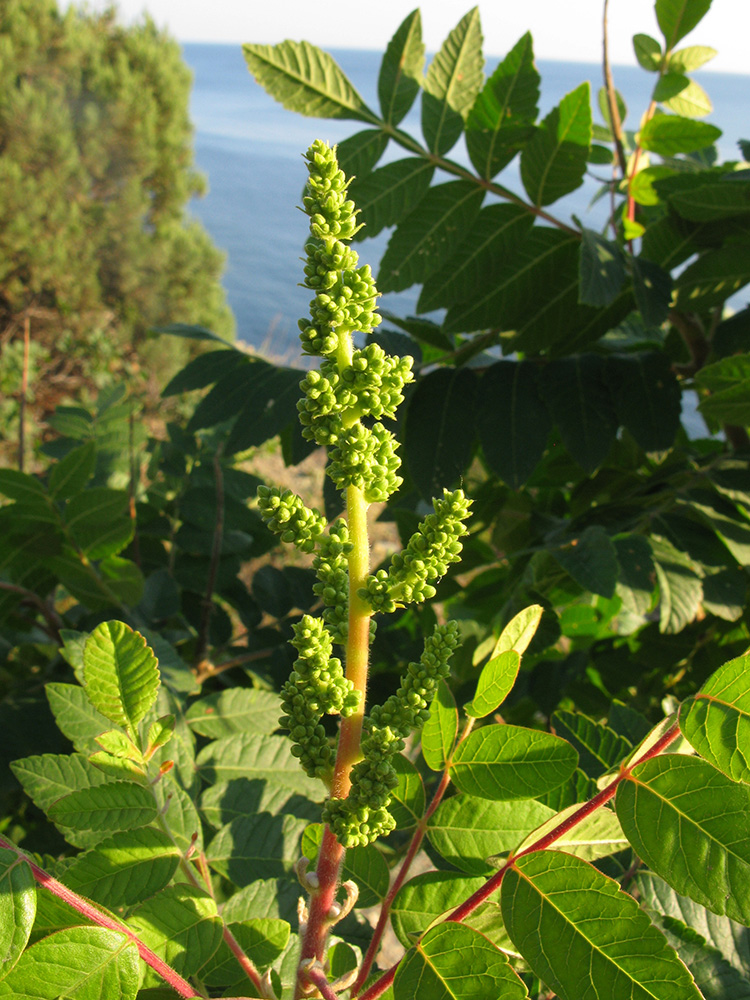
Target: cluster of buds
343,404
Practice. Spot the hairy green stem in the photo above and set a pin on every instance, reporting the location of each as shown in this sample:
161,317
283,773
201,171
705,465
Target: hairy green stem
331,856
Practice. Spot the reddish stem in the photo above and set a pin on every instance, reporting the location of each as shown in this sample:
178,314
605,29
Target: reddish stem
91,912
247,966
317,978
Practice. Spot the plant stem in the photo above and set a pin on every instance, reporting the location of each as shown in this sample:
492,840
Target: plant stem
331,854
609,83
91,912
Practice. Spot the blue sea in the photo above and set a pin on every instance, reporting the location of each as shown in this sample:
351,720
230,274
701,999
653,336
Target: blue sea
250,149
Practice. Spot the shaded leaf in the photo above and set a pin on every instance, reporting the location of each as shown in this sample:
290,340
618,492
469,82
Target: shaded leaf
359,153
576,391
365,865
591,560
512,420
647,52
602,269
70,474
113,806
386,195
407,798
553,163
426,897
255,755
680,589
429,234
258,846
646,396
437,440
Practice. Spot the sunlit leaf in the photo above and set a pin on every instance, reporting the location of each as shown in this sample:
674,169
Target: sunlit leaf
688,822
453,80
17,908
401,69
307,80
578,930
554,161
440,731
121,673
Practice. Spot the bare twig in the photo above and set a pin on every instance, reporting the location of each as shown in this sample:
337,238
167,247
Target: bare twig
24,392
609,84
208,604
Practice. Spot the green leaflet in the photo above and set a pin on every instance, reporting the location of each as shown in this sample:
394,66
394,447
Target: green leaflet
513,421
454,962
495,683
400,72
407,798
259,846
690,58
261,940
303,79
182,926
729,398
714,277
602,269
126,868
98,521
466,831
365,865
268,409
388,194
76,717
647,52
691,102
576,392
591,561
731,939
440,731
688,822
70,474
509,762
716,721
494,235
256,756
578,930
17,908
426,897
646,397
501,120
17,485
82,963
677,18
119,805
598,746
429,235
669,135
48,777
680,589
121,674
554,161
437,446
233,711
454,78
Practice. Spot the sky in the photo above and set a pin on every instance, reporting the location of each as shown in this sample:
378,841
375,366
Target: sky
562,29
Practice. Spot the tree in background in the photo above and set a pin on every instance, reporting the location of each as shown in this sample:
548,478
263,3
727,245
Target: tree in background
96,168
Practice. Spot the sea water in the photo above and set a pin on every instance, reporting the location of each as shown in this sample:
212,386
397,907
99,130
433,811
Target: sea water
250,148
